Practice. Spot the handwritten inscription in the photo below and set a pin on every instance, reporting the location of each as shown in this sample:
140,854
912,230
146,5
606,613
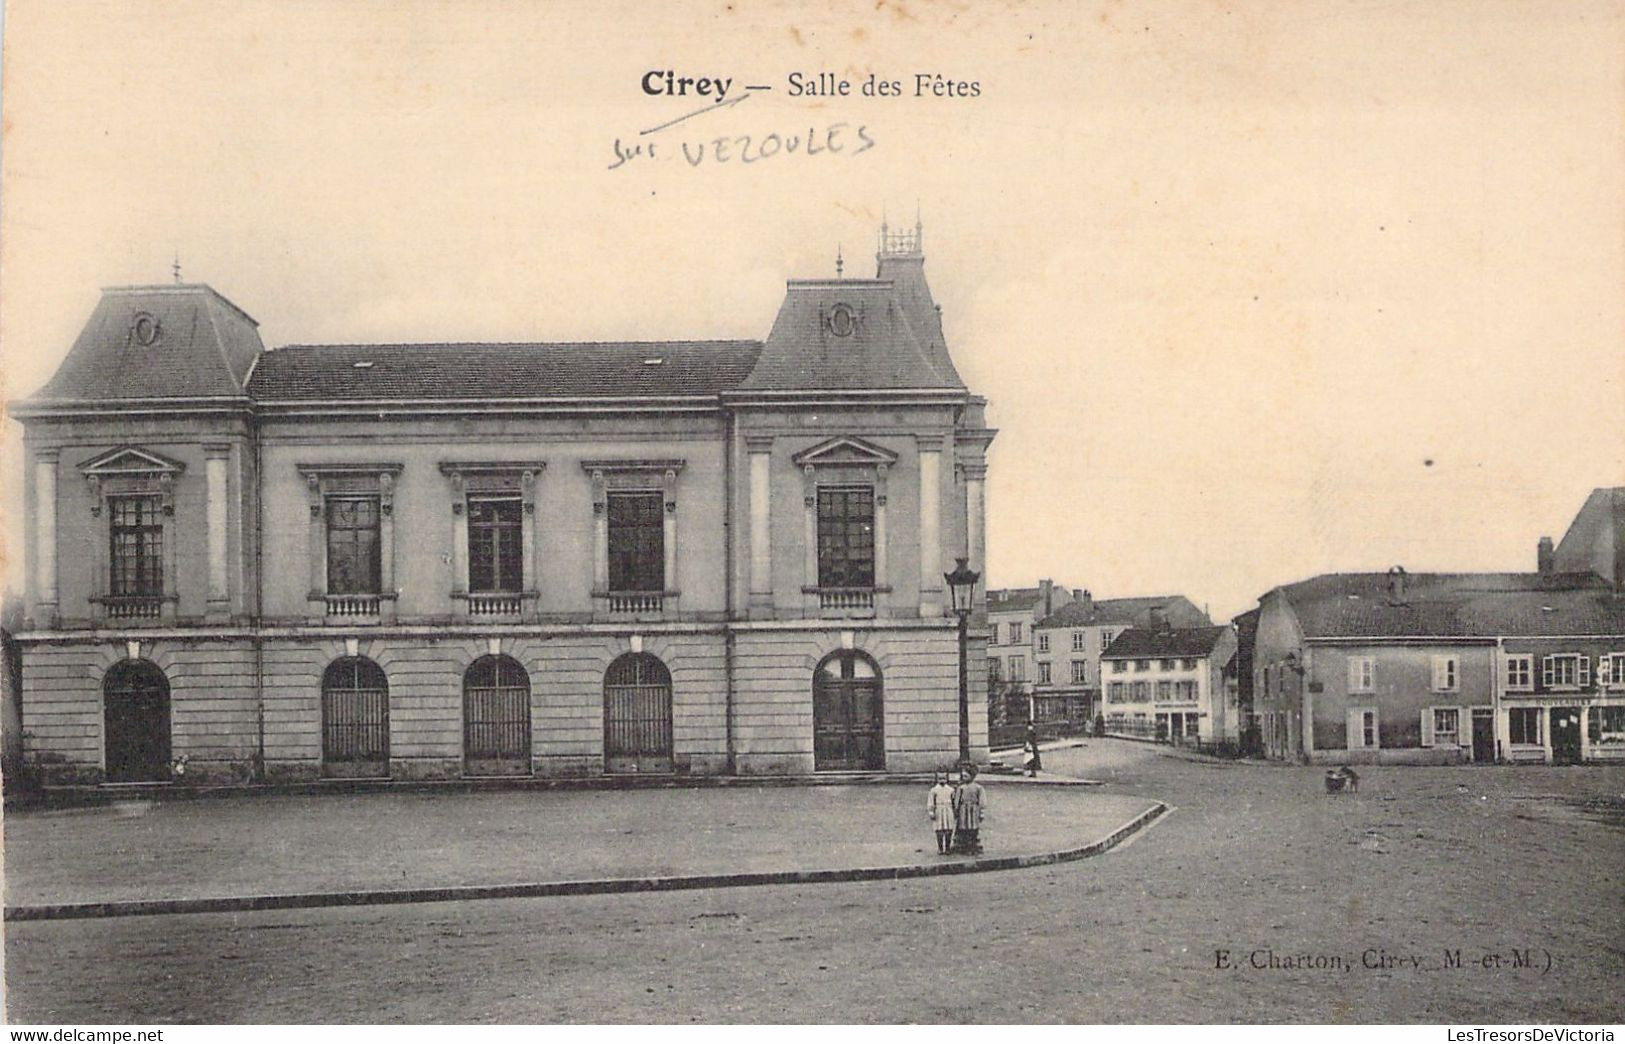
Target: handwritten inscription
834,139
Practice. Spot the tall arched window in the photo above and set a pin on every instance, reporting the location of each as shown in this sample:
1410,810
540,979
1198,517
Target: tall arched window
135,708
355,719
637,715
496,718
848,714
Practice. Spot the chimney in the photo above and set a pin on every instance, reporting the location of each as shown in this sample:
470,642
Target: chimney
1544,554
1081,594
1396,585
1046,595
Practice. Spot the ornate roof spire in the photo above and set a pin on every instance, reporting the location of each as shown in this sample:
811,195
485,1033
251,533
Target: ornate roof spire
176,267
840,262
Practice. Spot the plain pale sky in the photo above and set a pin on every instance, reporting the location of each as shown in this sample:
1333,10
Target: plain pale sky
1255,290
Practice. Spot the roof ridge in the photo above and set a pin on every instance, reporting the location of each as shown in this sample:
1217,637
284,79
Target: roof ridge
507,344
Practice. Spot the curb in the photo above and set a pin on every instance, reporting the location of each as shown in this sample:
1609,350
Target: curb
604,886
58,798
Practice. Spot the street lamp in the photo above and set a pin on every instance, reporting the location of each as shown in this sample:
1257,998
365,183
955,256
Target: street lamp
961,584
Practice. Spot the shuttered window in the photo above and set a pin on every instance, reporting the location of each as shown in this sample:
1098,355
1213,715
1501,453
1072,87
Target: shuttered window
1566,671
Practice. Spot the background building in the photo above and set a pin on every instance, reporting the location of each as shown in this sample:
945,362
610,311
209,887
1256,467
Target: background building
1595,540
1442,668
435,560
1168,684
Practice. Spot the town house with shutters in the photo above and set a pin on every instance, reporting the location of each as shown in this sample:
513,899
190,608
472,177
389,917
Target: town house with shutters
438,560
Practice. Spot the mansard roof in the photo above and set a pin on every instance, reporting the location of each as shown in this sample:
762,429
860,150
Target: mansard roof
589,370
180,341
846,335
186,346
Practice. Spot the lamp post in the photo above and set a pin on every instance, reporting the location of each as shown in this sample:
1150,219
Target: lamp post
961,585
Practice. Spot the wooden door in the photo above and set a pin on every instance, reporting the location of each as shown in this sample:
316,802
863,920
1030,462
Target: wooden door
848,715
135,698
1565,735
1483,735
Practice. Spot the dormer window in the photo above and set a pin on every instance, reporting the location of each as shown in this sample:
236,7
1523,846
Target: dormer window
841,321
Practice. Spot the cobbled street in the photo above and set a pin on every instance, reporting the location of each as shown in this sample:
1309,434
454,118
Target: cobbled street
1255,865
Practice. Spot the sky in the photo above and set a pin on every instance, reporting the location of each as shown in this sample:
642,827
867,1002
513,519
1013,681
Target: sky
1254,290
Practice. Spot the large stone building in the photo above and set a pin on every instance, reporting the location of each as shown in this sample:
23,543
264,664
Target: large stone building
433,560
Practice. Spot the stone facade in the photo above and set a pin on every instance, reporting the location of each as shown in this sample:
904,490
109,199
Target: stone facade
227,544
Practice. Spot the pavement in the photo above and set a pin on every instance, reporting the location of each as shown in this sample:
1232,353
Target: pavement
1464,895
284,851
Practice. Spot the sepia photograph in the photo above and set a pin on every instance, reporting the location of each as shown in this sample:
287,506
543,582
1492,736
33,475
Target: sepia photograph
739,512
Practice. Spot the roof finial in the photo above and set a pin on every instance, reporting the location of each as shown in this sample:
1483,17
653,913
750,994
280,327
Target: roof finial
840,263
176,267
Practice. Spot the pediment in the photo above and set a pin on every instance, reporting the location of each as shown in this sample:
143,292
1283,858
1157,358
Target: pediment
130,460
844,450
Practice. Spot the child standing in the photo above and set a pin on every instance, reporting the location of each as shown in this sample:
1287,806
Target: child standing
970,805
939,805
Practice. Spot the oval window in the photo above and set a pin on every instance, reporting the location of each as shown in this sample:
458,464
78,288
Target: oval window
145,328
841,321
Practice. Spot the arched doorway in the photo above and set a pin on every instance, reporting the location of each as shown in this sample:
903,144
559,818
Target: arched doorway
355,719
848,714
135,702
637,715
496,718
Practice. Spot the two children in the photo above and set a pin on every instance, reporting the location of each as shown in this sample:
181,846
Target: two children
956,812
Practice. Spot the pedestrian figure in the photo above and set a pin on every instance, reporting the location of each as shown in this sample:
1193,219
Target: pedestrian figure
970,805
1031,760
939,805
1351,779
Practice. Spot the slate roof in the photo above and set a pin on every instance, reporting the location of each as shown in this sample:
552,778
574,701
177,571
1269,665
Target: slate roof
607,370
882,351
1010,599
1105,611
1464,605
204,347
1138,643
